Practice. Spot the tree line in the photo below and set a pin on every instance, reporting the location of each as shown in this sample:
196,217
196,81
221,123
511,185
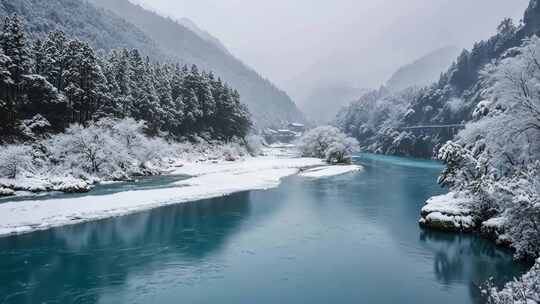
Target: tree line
68,82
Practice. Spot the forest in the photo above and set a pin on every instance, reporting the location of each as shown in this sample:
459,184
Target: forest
65,82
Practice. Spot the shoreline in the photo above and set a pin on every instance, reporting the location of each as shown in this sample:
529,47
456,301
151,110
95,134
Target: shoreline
451,213
208,180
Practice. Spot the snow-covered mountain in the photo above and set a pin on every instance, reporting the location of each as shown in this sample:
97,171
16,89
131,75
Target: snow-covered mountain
425,70
109,24
187,42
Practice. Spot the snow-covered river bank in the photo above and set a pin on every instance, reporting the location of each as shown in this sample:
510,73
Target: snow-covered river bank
338,239
208,180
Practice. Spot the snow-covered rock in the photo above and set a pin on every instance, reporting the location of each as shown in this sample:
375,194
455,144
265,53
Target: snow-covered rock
35,184
6,192
71,185
493,229
449,212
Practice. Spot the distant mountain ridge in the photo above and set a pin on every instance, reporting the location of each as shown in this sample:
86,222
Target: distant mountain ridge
423,71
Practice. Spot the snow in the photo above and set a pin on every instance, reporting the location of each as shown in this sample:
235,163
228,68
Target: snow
209,180
6,192
496,222
449,222
329,171
494,229
46,183
450,204
449,212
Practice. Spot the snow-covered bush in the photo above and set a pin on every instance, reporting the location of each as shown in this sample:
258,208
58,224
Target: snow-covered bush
328,143
15,160
525,290
35,126
107,148
523,213
232,151
254,144
89,149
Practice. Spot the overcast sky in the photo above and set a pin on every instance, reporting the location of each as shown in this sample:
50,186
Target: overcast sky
286,39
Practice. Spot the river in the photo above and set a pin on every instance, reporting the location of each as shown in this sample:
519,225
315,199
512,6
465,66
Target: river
347,239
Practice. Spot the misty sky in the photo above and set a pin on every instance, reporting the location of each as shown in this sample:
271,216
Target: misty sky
338,40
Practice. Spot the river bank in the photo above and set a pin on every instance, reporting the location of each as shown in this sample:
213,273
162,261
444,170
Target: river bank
453,212
207,179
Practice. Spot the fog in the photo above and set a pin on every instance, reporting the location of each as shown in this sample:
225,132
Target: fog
358,42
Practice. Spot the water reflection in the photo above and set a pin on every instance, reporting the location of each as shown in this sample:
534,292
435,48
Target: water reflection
469,260
309,241
54,265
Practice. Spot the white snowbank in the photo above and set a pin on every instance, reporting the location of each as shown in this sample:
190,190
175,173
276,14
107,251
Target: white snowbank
39,183
210,180
450,212
450,204
329,171
496,222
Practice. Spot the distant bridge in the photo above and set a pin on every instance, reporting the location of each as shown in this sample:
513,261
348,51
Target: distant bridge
450,130
424,127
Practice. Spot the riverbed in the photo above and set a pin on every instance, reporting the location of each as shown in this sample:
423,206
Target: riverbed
352,238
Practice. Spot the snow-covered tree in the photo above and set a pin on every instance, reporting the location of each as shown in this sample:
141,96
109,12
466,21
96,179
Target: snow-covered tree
14,45
74,84
496,159
15,160
525,290
328,143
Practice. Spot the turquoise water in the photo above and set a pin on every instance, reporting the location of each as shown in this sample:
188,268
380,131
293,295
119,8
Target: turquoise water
348,239
143,183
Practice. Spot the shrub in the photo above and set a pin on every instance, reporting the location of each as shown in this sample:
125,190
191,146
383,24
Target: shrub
328,143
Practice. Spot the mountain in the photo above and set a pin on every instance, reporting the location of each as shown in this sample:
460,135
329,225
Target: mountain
450,101
324,102
114,24
269,105
192,26
423,71
77,18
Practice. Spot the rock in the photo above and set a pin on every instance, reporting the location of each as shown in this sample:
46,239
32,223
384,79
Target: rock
6,192
449,223
449,212
71,185
494,229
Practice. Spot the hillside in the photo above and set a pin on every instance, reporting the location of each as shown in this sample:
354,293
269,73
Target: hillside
423,71
157,37
451,100
78,19
268,104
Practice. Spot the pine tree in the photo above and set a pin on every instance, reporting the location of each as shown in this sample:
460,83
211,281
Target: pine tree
164,93
7,105
38,57
73,84
54,58
13,43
